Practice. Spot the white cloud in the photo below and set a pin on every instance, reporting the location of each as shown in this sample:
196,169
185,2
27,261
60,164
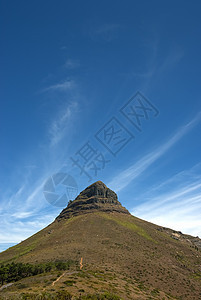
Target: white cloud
61,124
179,209
129,174
22,214
61,87
15,231
24,211
190,191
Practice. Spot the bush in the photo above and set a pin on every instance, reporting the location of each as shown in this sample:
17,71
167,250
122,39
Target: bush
63,295
16,271
69,282
105,296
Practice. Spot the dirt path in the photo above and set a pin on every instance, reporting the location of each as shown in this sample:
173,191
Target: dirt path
5,286
65,273
53,283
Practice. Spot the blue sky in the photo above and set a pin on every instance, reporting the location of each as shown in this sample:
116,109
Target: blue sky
67,70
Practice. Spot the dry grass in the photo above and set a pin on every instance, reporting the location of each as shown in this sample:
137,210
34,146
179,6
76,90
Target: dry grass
121,254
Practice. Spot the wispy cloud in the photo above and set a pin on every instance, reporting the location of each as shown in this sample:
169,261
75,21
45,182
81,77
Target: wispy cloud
14,231
31,198
128,175
24,213
179,208
24,210
156,66
61,124
61,87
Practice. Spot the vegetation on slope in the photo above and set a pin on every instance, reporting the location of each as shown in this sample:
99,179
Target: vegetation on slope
16,271
64,295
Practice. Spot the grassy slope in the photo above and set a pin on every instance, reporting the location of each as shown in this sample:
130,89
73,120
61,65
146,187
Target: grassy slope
119,244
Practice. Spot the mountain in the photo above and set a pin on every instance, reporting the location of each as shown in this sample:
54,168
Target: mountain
113,252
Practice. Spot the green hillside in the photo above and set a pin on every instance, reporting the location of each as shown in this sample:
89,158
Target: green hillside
121,255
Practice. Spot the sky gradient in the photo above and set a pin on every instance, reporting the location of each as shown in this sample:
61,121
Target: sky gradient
68,71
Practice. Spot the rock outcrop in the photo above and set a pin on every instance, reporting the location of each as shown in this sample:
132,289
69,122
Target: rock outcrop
96,197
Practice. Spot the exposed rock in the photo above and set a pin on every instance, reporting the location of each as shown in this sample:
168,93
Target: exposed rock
179,236
96,197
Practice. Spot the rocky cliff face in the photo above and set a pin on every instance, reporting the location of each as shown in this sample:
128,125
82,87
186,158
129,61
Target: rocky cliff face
96,197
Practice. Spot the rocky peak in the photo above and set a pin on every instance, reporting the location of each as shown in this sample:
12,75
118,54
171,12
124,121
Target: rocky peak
96,197
98,190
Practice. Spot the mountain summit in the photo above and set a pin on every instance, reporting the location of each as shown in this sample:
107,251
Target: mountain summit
96,197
